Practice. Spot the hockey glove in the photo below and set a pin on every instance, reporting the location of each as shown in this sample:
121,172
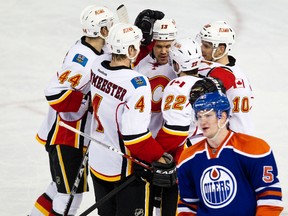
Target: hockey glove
164,175
206,85
142,173
145,21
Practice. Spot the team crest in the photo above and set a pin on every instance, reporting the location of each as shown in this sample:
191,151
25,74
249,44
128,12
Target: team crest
138,81
218,187
80,59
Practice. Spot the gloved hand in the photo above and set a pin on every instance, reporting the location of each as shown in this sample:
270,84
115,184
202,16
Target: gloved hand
145,21
142,173
206,85
164,174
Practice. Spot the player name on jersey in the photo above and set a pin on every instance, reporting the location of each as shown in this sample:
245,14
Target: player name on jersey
108,87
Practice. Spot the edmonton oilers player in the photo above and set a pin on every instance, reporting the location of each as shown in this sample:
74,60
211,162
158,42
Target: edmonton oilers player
227,173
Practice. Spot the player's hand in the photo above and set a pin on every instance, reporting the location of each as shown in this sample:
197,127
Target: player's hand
164,171
142,173
145,21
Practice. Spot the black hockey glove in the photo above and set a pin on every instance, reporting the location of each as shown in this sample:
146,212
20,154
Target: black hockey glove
206,85
142,173
164,175
145,21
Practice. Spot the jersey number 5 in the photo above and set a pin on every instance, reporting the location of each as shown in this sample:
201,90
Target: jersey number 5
268,176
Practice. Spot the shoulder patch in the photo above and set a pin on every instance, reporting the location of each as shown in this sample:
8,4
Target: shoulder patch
138,81
80,59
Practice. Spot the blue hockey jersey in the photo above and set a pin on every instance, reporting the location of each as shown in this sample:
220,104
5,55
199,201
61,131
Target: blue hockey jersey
237,178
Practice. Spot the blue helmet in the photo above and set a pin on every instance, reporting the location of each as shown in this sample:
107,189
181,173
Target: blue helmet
212,101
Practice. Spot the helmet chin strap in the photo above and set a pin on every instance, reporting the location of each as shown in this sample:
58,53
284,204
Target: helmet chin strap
100,35
133,59
219,57
219,128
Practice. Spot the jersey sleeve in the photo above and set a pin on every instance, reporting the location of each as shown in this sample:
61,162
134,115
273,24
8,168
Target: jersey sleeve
135,121
263,174
177,115
67,89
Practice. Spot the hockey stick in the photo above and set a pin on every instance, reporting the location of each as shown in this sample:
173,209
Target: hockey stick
105,145
77,180
108,196
122,14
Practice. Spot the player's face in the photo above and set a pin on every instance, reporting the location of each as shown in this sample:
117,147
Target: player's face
208,123
161,51
207,50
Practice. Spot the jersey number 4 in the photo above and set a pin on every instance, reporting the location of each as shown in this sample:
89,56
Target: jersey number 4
140,105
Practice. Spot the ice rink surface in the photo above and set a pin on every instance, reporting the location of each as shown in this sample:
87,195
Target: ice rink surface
35,36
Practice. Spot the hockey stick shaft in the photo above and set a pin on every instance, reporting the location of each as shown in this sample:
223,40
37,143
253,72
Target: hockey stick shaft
122,14
77,180
108,196
105,145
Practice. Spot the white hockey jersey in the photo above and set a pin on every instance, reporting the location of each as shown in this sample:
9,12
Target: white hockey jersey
68,94
159,76
240,97
178,115
121,100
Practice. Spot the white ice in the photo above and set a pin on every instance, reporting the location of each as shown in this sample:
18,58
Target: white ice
35,36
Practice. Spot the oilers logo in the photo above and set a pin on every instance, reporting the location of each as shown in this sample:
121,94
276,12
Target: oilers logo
218,187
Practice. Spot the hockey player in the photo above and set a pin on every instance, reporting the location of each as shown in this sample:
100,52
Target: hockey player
68,94
217,39
185,55
228,173
156,67
121,99
159,72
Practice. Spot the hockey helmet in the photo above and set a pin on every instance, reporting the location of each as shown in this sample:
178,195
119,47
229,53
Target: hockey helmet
218,32
186,53
215,101
123,35
93,18
164,29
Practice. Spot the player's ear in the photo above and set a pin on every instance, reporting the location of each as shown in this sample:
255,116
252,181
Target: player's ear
132,52
104,31
224,117
222,48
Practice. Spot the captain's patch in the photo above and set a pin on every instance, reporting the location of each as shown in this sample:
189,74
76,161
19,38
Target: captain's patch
80,59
